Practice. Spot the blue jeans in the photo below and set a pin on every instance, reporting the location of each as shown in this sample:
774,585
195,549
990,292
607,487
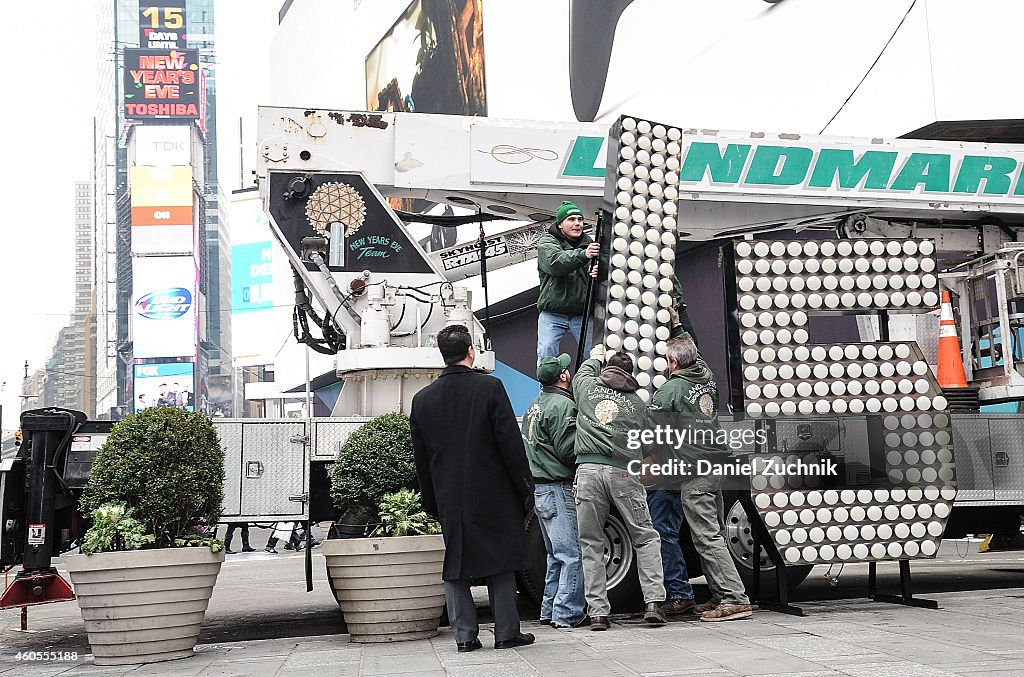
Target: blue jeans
563,599
551,327
667,514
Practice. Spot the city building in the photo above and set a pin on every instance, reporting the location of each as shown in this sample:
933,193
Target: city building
116,354
82,332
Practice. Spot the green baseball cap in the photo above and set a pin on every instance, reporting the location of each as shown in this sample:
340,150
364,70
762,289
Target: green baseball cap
550,368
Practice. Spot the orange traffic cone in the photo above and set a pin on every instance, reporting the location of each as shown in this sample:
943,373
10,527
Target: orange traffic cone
951,366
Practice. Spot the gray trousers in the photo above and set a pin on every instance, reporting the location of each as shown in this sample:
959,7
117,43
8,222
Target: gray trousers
501,590
598,487
700,495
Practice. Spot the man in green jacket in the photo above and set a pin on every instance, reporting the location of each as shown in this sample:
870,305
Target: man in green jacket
549,435
608,409
689,401
564,258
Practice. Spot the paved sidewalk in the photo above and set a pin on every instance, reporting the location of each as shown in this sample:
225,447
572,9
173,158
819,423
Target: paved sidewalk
974,633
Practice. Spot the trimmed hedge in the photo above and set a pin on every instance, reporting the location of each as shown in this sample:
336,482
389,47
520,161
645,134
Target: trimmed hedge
375,460
167,465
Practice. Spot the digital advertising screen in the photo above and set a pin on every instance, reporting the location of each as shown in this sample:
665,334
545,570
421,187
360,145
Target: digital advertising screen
170,384
161,84
164,299
162,209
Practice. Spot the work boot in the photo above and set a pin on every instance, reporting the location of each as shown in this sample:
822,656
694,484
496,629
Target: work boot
701,609
583,622
674,607
728,612
654,615
599,623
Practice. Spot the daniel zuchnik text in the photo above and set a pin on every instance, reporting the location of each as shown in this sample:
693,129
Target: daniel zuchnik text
759,466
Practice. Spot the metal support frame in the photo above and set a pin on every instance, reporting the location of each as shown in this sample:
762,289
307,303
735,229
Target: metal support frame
759,534
906,596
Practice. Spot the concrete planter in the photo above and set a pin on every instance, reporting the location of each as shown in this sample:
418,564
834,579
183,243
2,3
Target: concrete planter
144,606
389,589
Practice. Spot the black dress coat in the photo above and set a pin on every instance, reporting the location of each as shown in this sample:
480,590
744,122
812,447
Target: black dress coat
473,472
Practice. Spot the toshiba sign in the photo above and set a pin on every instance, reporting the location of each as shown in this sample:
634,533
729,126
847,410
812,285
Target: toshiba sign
161,83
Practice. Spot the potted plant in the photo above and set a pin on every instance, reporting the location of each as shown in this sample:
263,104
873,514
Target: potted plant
375,460
387,584
149,564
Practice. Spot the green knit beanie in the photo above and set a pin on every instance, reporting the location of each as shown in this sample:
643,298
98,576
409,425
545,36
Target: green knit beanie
567,209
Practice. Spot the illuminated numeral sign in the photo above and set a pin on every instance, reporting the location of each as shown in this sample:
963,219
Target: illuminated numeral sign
162,25
905,464
898,506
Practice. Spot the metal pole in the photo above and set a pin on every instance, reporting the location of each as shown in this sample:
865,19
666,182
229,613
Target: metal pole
309,394
588,306
483,280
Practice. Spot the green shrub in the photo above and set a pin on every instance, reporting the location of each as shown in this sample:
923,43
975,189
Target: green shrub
375,460
401,514
166,465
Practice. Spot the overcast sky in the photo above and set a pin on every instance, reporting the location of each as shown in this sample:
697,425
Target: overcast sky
49,102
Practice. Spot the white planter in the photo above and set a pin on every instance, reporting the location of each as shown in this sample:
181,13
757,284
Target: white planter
389,589
144,606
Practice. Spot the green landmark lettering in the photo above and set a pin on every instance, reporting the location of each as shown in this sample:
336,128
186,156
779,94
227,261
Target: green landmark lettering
929,169
724,167
582,160
779,166
994,170
874,168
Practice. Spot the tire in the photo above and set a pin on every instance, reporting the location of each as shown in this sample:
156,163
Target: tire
530,581
740,543
624,593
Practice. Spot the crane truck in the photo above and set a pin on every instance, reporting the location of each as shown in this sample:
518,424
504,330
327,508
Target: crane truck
814,266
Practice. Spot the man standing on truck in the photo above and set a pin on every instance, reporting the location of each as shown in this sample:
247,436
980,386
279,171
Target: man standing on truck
608,408
475,479
549,434
564,263
688,400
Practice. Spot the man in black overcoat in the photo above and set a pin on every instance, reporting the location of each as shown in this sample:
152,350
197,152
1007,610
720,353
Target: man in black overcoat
475,479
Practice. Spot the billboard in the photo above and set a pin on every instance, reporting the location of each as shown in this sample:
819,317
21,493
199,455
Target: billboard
162,24
163,146
164,300
261,284
252,277
162,208
167,384
431,61
161,83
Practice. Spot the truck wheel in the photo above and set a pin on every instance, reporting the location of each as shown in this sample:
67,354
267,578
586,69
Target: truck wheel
530,581
624,593
741,546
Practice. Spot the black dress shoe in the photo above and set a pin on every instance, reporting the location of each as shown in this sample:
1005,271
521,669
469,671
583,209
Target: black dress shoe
248,549
229,551
599,623
522,639
472,645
